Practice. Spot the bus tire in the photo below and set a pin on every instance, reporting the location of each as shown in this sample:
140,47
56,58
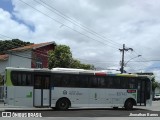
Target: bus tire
53,108
62,104
128,105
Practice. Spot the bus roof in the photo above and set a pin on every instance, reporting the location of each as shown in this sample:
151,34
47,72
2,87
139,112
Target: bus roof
76,71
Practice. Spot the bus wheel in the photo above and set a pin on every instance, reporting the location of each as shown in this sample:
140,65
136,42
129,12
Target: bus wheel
128,105
62,104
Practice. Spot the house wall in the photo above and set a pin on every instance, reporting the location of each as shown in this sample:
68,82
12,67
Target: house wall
41,55
20,59
27,59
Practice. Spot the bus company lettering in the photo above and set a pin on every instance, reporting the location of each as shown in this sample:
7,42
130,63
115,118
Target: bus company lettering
74,93
121,93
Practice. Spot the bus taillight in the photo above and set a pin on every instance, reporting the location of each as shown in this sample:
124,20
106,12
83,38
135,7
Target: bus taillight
100,74
131,91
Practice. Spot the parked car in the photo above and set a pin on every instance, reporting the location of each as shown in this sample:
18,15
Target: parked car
157,97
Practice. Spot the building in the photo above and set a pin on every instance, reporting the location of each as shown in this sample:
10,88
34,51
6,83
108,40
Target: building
31,56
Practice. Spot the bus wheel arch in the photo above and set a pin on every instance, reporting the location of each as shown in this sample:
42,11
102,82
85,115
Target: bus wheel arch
129,103
63,103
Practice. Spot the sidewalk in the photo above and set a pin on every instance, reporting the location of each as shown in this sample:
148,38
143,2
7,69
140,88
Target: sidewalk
4,107
154,107
11,107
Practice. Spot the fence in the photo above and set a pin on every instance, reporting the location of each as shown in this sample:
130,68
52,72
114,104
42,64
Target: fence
1,93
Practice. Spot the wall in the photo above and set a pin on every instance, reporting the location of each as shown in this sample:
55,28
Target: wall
41,54
20,59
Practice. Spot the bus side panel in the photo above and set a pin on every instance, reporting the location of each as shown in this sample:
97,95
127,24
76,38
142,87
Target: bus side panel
23,96
78,97
117,97
92,97
10,95
97,97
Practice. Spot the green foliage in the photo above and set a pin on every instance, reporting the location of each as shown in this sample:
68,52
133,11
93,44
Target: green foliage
1,80
62,57
10,44
154,84
78,64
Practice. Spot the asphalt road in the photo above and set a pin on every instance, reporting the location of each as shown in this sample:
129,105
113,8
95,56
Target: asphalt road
153,111
98,112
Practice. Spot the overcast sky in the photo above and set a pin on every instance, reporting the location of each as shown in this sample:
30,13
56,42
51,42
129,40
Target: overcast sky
95,30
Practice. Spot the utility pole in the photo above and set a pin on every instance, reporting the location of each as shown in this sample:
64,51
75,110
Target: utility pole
122,50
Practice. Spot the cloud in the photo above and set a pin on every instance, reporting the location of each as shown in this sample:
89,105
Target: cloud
10,27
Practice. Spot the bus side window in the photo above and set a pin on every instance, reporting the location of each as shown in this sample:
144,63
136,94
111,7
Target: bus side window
74,81
29,80
124,83
83,81
14,77
65,80
19,81
93,81
57,80
23,79
109,82
77,81
101,82
38,82
116,82
46,82
70,81
132,83
148,86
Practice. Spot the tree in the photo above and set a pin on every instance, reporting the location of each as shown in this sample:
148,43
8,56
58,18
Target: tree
77,64
10,44
1,80
154,84
62,57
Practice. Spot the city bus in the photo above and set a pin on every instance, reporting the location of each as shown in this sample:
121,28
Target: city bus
63,88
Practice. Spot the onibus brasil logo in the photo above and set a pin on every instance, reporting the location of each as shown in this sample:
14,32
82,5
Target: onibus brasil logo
14,114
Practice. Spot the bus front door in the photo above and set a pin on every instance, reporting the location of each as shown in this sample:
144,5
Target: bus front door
42,91
141,93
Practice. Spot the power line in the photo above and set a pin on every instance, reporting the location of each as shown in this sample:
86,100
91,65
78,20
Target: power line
156,60
141,57
42,53
134,60
5,36
66,25
93,61
75,22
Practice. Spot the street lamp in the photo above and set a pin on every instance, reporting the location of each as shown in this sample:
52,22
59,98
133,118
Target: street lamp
132,59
